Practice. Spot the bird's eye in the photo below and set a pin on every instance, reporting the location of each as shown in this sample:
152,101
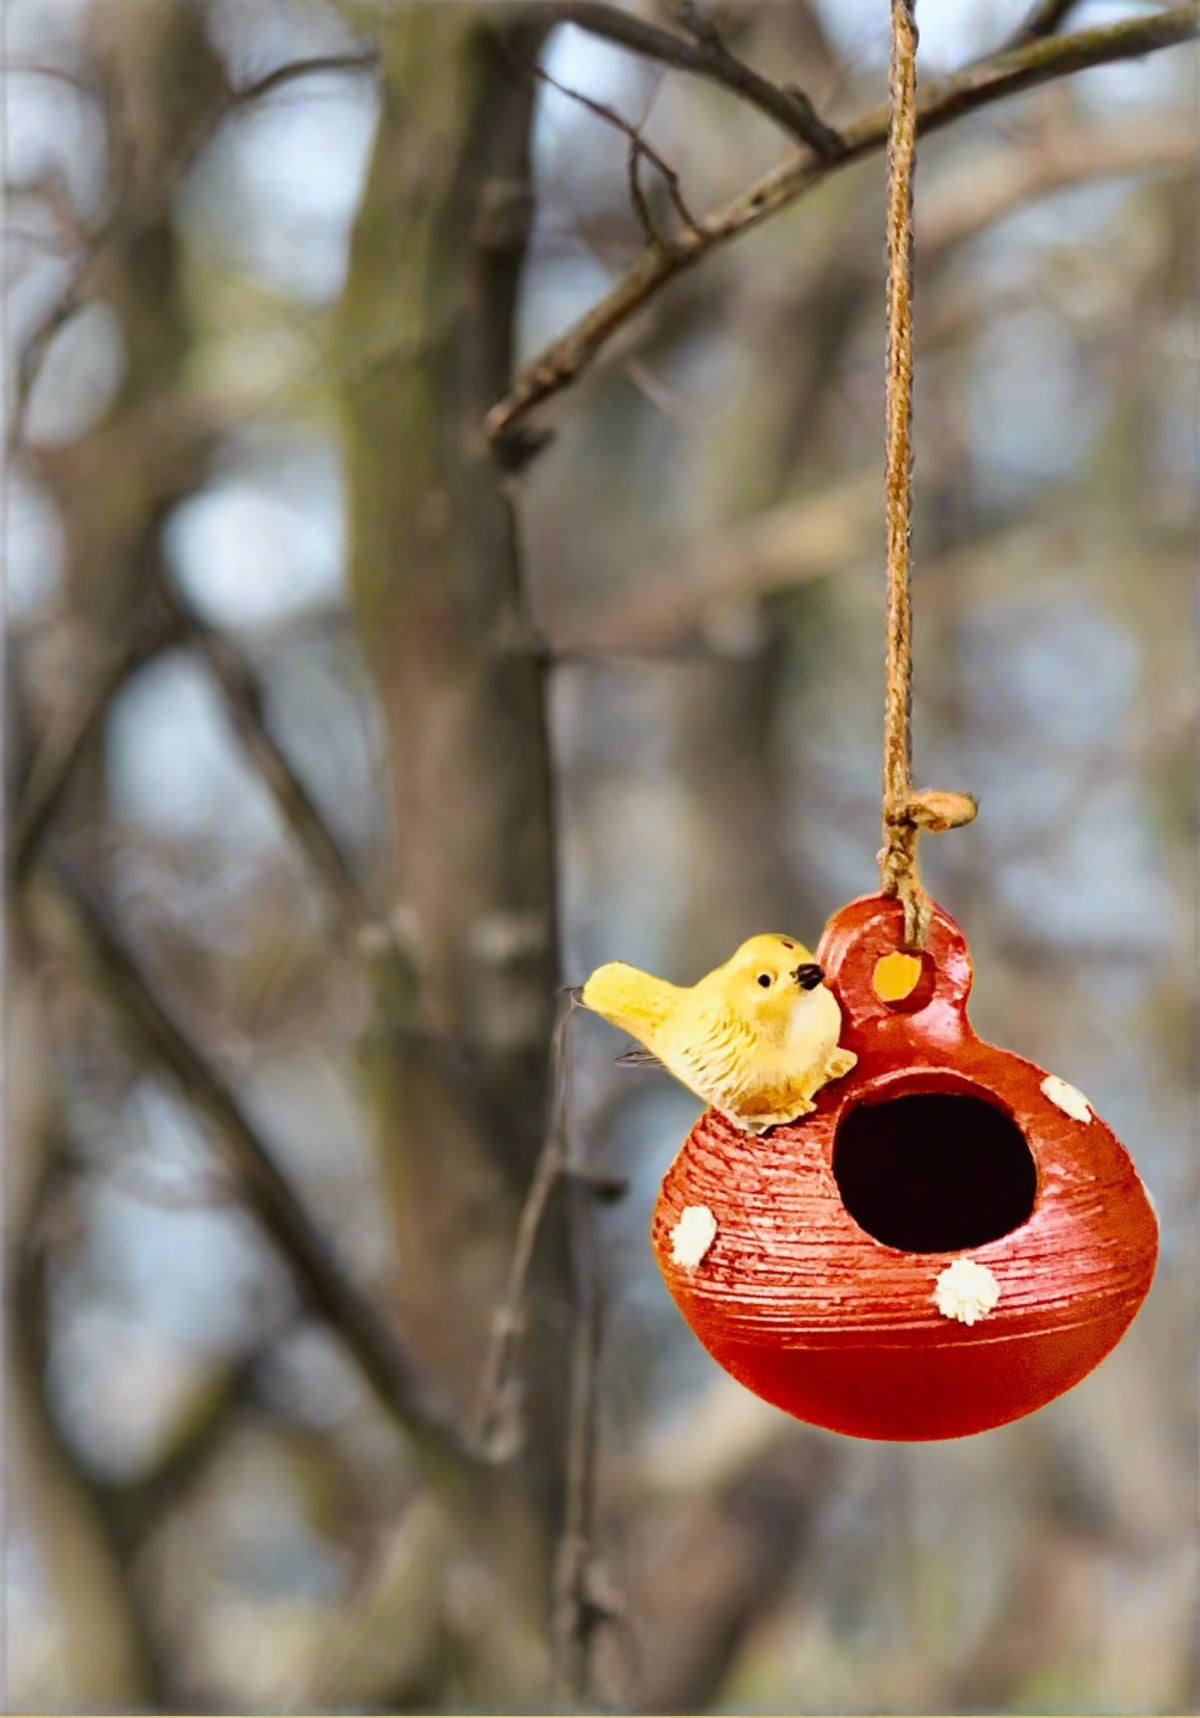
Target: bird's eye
764,978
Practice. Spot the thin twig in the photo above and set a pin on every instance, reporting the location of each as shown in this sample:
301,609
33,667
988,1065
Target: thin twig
967,201
73,297
381,1355
578,1609
788,106
67,305
364,61
638,148
245,701
1042,20
496,1418
211,1191
565,359
579,1604
58,74
172,621
637,196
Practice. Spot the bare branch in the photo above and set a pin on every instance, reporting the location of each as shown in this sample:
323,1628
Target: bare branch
498,1420
109,1627
32,356
971,199
319,64
1042,20
166,621
638,149
58,74
371,927
68,741
378,1350
566,358
777,549
580,1606
707,58
137,1506
74,295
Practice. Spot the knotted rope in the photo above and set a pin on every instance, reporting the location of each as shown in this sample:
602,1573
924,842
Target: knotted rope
905,812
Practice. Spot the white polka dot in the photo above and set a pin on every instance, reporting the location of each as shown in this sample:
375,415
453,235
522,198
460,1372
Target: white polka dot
1068,1098
692,1236
966,1291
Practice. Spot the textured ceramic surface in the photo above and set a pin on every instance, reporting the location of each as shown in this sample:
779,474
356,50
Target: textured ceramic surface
808,1310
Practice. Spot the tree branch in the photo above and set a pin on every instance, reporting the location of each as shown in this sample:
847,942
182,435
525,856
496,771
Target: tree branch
1042,20
498,1422
137,1506
496,1417
68,741
319,64
707,58
779,548
381,1356
639,149
970,199
244,700
169,620
566,358
579,1607
111,1638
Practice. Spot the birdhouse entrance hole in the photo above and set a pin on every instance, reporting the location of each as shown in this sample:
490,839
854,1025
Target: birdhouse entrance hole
934,1173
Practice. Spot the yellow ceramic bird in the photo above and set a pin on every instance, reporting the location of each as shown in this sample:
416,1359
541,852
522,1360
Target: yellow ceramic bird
756,1039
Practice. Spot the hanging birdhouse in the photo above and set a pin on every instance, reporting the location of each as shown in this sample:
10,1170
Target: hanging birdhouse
949,1241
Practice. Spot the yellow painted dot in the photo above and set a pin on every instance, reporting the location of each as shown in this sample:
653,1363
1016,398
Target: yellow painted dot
896,976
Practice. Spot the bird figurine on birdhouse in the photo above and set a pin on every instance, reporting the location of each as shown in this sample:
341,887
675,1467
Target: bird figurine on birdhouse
943,1238
757,1038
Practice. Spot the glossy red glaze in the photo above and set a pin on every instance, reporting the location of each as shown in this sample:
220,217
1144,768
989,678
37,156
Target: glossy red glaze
806,1309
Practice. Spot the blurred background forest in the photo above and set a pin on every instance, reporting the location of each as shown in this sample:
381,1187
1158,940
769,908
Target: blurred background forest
339,739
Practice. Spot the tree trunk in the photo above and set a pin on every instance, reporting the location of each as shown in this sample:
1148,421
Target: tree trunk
459,1045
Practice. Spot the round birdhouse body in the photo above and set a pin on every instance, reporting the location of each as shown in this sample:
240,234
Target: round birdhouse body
946,1243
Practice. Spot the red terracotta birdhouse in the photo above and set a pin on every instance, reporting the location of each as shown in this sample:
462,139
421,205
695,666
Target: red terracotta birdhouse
949,1241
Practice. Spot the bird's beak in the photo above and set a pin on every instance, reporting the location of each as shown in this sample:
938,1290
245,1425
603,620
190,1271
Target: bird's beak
808,977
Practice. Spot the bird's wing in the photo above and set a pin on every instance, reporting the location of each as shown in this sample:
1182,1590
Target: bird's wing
638,1057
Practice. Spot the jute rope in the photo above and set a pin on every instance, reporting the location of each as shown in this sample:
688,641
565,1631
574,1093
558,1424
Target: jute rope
905,813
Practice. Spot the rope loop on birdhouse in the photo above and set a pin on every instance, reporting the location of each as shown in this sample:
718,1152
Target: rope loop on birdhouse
905,812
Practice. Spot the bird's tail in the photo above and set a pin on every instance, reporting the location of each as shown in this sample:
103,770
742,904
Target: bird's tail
633,1000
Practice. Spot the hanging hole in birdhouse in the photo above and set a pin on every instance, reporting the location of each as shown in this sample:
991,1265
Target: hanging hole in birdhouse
933,1172
904,981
